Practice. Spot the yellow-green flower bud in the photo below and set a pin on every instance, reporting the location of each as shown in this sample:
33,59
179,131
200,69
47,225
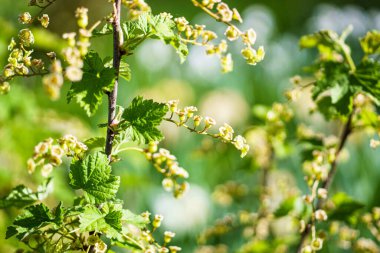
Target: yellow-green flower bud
44,20
232,33
236,15
227,63
31,165
317,244
223,46
248,53
46,170
189,110
8,72
156,223
181,23
197,120
249,37
260,53
12,44
25,18
82,17
26,37
320,215
174,249
209,122
173,104
168,236
168,184
307,249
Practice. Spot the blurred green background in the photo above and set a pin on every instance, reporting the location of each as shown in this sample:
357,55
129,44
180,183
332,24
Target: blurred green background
27,116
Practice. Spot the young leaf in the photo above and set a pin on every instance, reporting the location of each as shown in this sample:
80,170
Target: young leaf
159,26
96,80
94,219
134,219
370,43
141,119
93,175
96,142
22,196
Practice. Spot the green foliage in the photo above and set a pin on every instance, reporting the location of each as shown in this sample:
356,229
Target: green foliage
344,207
97,79
105,220
146,26
141,119
22,196
337,78
33,218
370,43
93,176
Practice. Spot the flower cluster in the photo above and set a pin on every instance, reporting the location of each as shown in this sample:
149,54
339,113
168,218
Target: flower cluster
53,81
97,243
48,154
317,171
77,49
136,8
25,18
20,62
202,125
220,11
168,166
147,237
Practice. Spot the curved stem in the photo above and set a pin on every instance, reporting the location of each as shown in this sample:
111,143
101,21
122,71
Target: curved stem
347,130
112,96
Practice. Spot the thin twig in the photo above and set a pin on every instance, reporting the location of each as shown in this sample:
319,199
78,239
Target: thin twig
347,130
112,96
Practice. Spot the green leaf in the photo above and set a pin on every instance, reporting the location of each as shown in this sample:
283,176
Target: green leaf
93,176
34,216
345,207
124,70
160,26
105,30
134,219
164,28
367,75
96,80
11,231
96,142
22,196
370,43
141,119
285,207
337,92
98,220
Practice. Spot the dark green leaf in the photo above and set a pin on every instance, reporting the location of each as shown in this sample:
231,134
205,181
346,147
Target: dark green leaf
34,216
344,208
93,175
96,80
22,196
286,206
142,118
11,231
